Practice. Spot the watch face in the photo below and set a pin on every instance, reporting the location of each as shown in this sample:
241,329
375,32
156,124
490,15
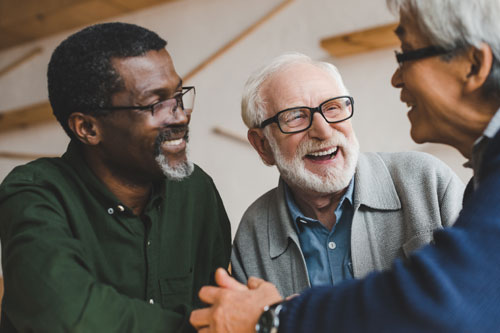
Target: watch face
269,321
266,322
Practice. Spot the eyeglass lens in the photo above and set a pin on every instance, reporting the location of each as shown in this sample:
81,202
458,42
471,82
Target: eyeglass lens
297,119
184,101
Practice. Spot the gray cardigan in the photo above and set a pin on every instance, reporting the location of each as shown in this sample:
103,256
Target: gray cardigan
399,199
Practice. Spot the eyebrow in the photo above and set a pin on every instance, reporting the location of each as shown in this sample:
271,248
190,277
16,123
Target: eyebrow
160,91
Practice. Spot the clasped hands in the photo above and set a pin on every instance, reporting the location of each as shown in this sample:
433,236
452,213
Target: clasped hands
233,306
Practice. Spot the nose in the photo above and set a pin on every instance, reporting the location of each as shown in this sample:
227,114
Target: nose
397,80
320,128
176,116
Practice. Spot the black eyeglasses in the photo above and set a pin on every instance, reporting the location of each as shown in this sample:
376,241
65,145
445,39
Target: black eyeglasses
422,53
298,119
183,99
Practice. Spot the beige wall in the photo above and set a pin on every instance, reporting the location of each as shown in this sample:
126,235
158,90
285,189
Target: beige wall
194,30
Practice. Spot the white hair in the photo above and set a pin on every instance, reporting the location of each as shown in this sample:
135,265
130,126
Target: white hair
253,109
454,24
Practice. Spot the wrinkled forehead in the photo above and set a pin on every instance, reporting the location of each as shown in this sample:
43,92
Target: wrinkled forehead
299,84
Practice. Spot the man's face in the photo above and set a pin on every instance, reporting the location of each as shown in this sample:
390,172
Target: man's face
323,158
137,144
432,88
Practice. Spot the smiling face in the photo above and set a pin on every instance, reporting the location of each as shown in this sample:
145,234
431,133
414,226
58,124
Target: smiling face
433,90
323,158
135,144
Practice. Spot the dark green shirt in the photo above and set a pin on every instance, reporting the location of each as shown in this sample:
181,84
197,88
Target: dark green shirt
76,259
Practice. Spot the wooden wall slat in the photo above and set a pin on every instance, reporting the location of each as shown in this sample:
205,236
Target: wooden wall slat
26,116
361,41
26,20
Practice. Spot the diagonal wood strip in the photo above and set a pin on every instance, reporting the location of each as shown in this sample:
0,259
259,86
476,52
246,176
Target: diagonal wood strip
25,116
18,62
229,134
237,39
361,41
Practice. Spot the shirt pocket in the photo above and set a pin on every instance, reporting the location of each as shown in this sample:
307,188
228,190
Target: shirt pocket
418,241
177,291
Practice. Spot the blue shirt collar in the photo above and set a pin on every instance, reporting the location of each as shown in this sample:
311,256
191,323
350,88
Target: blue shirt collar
297,214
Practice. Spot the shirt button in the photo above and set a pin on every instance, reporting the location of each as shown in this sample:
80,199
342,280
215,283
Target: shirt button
151,301
111,211
120,208
149,243
332,245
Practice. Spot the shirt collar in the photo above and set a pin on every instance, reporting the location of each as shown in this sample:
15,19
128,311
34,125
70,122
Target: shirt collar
74,156
374,185
297,214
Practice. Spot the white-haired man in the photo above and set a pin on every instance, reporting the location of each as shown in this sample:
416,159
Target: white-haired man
333,216
449,75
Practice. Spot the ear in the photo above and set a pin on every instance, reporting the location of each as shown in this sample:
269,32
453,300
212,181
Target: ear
260,143
85,128
480,62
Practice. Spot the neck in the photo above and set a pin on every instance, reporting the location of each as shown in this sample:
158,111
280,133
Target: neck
319,206
479,113
131,192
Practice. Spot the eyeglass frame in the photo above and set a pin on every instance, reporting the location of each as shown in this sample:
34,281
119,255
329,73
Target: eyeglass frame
150,107
421,53
274,119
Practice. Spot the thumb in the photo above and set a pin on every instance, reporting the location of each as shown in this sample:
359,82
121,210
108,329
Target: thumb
225,281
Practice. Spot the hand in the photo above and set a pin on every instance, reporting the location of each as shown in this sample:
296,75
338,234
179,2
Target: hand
234,307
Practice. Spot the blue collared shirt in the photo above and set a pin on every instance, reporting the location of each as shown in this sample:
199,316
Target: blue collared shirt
327,253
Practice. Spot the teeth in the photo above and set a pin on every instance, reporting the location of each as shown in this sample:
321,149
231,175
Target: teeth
326,152
174,142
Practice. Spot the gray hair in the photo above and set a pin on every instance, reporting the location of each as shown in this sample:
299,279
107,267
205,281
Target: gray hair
452,24
253,109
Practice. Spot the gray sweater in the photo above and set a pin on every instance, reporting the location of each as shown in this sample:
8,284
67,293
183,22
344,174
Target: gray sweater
399,200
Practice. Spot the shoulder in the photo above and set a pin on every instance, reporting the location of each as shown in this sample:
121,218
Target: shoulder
41,172
401,165
259,208
254,218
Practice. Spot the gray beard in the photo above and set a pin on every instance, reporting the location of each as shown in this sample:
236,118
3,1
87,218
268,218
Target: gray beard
334,179
176,172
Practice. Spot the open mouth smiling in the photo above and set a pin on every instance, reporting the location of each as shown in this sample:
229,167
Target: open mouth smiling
324,155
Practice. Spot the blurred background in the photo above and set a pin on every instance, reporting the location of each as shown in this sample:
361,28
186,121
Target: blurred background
215,45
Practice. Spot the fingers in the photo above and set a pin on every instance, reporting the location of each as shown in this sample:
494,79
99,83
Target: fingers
200,318
254,283
209,294
223,279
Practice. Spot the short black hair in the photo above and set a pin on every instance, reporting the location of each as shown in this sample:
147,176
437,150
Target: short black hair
80,75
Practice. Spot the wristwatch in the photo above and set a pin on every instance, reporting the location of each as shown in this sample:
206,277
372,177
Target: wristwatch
269,320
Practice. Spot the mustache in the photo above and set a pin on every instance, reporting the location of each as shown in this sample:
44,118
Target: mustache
308,146
168,134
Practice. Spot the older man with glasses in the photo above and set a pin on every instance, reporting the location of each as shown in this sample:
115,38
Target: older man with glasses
449,76
333,216
120,233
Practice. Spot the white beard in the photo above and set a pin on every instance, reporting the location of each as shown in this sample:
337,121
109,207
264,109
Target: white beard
177,172
335,178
